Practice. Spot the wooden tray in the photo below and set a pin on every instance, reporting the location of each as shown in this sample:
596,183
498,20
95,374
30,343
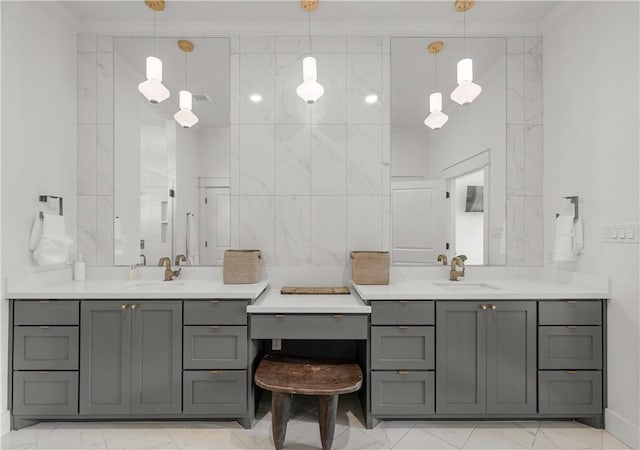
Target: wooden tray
338,290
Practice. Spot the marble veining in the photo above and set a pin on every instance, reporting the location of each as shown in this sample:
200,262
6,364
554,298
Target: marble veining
289,107
87,239
515,160
86,169
87,87
104,83
364,160
257,76
329,230
293,160
328,160
364,77
104,159
533,88
257,159
515,231
257,225
293,230
331,108
515,89
364,217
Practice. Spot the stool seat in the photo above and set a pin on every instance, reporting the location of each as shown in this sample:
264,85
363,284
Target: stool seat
324,378
305,376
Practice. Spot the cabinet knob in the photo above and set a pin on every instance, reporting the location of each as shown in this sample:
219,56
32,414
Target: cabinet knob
134,306
493,306
124,306
483,307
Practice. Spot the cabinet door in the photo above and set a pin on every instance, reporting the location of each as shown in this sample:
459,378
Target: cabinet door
156,363
511,357
460,357
105,357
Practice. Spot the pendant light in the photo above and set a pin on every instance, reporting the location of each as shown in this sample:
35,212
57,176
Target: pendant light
309,90
153,89
436,118
467,90
185,117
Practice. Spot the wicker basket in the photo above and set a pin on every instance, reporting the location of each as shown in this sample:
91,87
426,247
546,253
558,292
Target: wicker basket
241,266
370,267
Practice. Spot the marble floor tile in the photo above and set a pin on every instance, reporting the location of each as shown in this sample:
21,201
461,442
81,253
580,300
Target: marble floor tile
417,439
453,433
69,438
22,439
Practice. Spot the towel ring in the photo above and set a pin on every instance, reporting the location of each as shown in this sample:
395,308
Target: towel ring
45,198
574,199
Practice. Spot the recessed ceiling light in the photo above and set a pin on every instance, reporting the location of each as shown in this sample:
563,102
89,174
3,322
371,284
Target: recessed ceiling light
371,99
255,98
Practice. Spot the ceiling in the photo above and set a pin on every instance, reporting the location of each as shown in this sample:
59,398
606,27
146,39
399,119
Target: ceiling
330,11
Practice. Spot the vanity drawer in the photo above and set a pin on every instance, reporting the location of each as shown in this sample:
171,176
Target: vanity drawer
402,312
45,393
402,347
45,348
308,326
216,392
215,347
570,392
402,393
46,312
570,312
570,347
215,312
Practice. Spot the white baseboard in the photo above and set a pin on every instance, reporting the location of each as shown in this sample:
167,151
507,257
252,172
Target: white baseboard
5,423
622,429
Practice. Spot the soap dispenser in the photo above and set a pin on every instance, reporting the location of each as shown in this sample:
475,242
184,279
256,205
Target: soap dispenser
80,269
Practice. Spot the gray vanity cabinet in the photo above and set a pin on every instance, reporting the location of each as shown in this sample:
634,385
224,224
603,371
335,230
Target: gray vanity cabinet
486,357
130,357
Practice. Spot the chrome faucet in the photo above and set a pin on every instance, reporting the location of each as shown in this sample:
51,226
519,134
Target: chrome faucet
454,273
443,259
180,258
168,273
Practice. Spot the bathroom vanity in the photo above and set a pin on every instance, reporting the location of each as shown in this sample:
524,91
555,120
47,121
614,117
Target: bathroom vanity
522,349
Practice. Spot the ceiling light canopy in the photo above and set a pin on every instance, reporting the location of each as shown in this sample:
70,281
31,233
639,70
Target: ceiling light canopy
467,90
309,90
185,117
436,118
152,88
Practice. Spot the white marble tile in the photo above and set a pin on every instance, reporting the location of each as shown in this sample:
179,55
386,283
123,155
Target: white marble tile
533,88
518,434
105,44
22,439
364,160
534,231
483,439
356,439
386,223
328,44
293,160
364,223
104,159
453,433
289,107
104,88
68,439
567,435
389,433
234,221
234,88
257,77
329,160
386,160
515,44
515,231
533,168
86,159
87,228
609,442
515,160
417,439
234,159
385,98
328,230
293,230
257,44
87,88
292,44
257,225
87,43
515,89
364,44
364,77
257,159
331,108
533,44
138,438
104,231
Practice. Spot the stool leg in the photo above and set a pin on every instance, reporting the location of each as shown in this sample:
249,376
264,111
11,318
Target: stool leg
327,409
280,406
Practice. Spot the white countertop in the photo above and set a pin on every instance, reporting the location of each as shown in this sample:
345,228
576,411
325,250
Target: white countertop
273,302
512,289
113,289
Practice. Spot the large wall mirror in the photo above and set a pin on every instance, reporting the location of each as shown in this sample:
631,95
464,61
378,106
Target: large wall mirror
171,195
466,158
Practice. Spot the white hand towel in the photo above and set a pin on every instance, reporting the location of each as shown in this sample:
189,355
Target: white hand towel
578,237
54,244
193,249
565,242
118,237
36,233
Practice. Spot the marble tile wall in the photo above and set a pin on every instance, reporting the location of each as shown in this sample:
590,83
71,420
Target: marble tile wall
95,149
525,234
310,182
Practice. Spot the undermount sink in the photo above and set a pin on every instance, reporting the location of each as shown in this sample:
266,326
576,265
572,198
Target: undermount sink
152,285
464,286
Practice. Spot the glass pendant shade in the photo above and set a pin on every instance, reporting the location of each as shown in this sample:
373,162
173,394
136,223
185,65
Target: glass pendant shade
153,89
185,117
437,118
310,90
467,90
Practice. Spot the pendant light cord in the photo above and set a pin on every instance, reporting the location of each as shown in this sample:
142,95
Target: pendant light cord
435,71
185,71
155,38
309,29
464,38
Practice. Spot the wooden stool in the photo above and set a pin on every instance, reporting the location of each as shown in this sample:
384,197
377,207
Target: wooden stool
325,378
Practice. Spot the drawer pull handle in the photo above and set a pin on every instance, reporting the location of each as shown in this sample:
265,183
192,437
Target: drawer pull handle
44,302
214,372
571,302
124,306
337,316
45,327
403,327
403,301
483,307
214,327
44,373
279,316
493,307
572,327
403,372
214,302
134,306
571,372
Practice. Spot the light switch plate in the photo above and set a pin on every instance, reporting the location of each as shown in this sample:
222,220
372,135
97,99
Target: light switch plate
620,233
